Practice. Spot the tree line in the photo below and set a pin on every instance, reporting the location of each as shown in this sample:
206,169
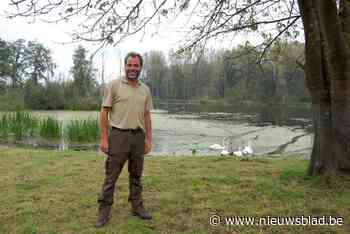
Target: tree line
237,74
28,79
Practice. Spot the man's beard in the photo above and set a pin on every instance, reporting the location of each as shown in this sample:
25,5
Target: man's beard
133,78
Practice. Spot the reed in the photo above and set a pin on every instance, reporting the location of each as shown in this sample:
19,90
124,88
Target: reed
4,126
50,128
18,124
23,124
83,130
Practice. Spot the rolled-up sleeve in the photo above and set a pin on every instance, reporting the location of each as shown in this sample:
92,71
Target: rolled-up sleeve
107,96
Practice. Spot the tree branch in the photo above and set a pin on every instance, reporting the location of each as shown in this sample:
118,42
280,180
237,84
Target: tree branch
276,37
237,28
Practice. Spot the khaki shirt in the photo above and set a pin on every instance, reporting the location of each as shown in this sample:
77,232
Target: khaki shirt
128,103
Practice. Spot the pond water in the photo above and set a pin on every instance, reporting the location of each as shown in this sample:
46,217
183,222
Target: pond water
191,129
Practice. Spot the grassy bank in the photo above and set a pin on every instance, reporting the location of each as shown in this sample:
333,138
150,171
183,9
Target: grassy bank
55,192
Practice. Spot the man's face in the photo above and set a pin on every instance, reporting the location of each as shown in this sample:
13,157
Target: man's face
133,68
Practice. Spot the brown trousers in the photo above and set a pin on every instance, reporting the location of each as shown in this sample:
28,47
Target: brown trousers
123,146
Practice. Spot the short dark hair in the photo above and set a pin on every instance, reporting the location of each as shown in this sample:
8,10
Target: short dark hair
133,54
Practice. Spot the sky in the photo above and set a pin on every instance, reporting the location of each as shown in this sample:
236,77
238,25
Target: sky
56,36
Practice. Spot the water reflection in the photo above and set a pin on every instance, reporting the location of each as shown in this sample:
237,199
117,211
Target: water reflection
261,115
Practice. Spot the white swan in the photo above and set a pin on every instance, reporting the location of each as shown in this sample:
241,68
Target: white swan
216,147
226,149
219,147
247,150
238,152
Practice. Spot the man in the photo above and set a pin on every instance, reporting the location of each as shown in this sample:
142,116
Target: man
126,105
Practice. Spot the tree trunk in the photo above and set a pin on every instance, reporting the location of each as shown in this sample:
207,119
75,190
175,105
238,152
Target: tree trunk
327,76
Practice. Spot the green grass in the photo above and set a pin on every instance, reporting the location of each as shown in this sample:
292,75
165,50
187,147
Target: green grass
56,191
83,130
50,128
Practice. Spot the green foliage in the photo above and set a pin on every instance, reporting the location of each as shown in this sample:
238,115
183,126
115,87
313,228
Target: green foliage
4,126
203,102
34,95
24,124
40,62
83,130
20,60
83,103
50,128
155,69
83,73
89,103
233,75
12,100
5,66
73,103
54,96
49,97
19,124
17,61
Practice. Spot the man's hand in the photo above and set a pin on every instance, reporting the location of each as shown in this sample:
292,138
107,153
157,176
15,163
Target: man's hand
104,129
148,146
104,145
148,127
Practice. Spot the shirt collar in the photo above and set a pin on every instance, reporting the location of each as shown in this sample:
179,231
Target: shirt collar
124,80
